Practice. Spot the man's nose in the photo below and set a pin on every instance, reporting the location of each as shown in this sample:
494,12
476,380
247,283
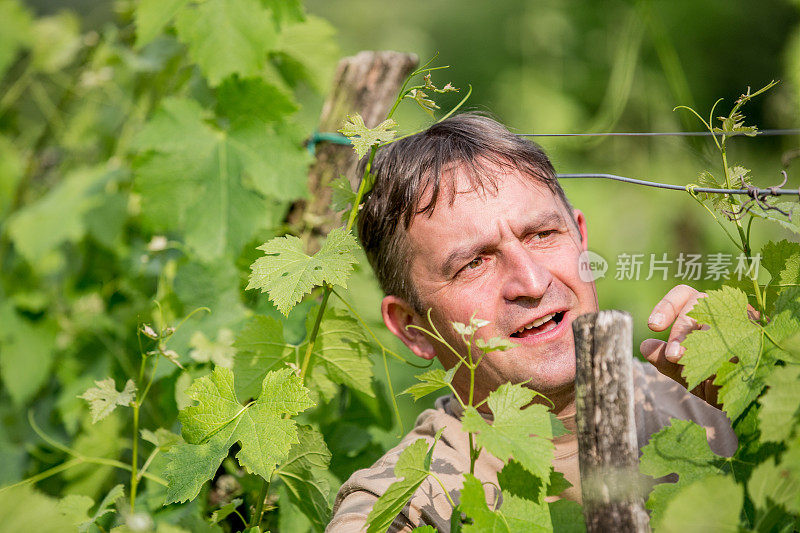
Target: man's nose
525,276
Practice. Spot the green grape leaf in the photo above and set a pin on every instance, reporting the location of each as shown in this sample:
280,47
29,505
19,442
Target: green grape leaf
286,10
516,480
287,273
58,216
341,349
303,474
679,448
152,16
213,285
495,344
362,137
56,41
218,421
780,406
226,195
223,512
473,504
191,465
161,438
260,349
787,207
524,434
741,382
567,516
709,504
779,482
75,508
422,100
22,507
412,468
253,98
15,27
342,195
558,484
227,37
782,261
717,201
307,50
424,529
11,163
739,177
431,381
104,398
730,334
219,351
515,515
26,353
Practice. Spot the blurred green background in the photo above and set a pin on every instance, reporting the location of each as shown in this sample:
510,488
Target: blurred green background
572,66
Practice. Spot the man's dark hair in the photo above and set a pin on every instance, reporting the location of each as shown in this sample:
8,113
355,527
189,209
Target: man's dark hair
406,169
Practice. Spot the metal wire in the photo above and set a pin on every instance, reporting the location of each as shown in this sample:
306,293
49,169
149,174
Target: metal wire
337,138
772,191
760,133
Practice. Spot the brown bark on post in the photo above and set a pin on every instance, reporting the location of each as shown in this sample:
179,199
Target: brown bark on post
366,83
608,454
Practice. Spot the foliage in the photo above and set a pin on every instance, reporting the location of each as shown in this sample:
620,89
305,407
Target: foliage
745,351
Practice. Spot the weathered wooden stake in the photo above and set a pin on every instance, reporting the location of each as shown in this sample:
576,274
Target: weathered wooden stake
366,83
608,455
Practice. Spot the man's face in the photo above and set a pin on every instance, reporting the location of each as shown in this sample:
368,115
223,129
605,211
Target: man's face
512,258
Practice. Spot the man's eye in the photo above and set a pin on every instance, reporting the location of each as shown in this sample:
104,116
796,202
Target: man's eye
542,234
475,263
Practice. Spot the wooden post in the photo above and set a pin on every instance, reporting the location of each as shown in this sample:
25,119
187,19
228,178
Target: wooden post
608,454
366,83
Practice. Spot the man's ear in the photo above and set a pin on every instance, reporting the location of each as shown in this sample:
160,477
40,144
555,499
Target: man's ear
398,315
580,221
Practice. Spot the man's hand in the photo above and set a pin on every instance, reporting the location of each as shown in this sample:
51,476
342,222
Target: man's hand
671,310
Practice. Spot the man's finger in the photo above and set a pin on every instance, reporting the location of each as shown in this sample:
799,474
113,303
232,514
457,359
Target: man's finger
671,306
654,351
684,325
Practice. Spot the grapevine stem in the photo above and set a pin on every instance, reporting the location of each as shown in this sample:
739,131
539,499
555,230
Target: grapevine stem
46,474
255,520
135,458
444,489
391,391
372,334
326,294
146,464
314,332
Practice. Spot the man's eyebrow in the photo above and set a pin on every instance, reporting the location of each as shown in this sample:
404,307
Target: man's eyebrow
549,220
468,252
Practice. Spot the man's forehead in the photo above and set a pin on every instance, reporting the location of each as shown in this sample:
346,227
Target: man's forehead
459,184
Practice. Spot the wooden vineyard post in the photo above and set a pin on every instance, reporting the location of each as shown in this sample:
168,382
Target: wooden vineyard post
366,83
608,454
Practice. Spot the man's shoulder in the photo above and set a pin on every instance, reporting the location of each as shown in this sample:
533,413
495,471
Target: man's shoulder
377,478
358,494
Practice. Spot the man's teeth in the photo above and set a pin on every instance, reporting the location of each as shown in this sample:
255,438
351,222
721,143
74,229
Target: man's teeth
537,323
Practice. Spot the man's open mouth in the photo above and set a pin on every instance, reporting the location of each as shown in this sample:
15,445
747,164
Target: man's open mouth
540,325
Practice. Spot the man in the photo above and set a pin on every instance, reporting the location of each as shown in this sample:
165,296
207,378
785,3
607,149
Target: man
467,218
